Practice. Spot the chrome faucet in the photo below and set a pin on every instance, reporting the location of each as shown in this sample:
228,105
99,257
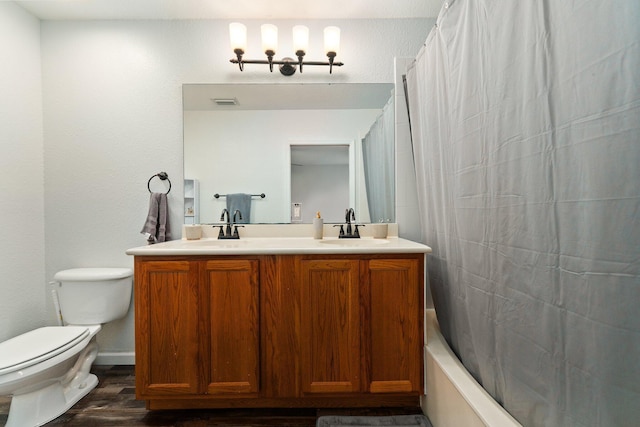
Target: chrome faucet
225,231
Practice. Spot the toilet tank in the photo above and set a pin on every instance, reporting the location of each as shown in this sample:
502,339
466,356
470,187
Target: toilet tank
92,296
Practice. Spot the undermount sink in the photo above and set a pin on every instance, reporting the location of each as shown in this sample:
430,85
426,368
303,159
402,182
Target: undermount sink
355,242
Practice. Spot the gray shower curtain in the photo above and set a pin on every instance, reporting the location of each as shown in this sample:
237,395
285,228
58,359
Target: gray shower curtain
378,160
525,120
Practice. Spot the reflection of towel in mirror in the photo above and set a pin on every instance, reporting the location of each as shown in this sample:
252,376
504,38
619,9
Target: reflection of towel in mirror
241,202
157,223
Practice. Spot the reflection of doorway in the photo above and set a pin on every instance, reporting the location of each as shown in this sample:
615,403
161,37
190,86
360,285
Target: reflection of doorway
320,181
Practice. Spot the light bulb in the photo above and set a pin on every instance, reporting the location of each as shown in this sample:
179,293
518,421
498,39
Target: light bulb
269,38
238,36
331,40
300,39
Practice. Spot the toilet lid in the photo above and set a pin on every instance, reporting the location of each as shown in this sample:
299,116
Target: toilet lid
40,344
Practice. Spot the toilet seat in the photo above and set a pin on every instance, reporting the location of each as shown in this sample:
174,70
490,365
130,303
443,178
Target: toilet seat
40,344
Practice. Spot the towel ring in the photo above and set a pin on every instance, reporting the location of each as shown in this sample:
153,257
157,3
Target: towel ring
163,176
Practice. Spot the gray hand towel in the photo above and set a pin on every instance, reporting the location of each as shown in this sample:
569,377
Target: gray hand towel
241,202
157,222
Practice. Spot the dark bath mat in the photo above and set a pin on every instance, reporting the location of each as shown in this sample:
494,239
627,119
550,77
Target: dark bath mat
392,421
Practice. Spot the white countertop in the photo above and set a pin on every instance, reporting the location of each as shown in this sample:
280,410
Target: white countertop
281,246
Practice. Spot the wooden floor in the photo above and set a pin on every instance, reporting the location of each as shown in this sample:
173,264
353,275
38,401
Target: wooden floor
113,403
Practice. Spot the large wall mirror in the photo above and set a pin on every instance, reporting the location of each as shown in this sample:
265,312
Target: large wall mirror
322,147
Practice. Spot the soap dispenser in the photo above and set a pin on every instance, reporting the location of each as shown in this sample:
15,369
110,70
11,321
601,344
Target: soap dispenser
318,225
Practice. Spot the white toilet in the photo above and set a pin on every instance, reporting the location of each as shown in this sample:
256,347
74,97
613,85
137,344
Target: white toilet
46,371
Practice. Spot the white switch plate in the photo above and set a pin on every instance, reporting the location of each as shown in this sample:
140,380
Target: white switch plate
296,212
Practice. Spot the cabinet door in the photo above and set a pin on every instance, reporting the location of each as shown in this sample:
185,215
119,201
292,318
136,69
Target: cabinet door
395,326
231,293
166,310
330,326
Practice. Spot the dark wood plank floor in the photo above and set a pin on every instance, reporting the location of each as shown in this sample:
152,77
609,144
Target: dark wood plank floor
113,403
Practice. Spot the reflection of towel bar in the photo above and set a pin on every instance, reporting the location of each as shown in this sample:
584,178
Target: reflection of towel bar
261,195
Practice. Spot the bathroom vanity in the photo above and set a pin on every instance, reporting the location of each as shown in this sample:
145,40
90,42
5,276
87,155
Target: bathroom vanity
279,322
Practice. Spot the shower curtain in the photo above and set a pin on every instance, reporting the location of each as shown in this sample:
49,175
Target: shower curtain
378,159
525,121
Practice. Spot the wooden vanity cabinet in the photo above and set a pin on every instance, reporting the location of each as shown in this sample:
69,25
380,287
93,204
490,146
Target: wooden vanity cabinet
279,331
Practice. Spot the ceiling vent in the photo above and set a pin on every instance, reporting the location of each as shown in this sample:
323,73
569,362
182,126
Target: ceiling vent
225,101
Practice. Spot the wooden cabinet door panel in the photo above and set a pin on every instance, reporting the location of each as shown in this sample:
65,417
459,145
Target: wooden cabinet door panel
166,328
395,346
231,292
330,326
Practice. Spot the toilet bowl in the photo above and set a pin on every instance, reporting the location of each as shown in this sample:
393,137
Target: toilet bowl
47,370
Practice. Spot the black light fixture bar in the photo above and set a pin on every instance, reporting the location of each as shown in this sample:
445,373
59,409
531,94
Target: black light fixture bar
286,62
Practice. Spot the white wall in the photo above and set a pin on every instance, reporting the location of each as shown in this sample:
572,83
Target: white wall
229,151
22,277
113,118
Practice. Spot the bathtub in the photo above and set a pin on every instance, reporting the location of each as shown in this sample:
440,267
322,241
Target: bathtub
453,397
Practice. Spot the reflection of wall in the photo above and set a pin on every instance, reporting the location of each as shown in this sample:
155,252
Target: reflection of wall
407,215
247,152
317,186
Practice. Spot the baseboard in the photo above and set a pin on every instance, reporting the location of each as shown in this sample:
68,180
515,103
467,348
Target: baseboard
115,358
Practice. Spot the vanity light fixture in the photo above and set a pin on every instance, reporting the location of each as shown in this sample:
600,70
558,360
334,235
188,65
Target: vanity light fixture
288,66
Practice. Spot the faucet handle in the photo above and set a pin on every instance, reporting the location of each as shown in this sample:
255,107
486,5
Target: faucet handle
356,233
221,232
341,229
235,231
